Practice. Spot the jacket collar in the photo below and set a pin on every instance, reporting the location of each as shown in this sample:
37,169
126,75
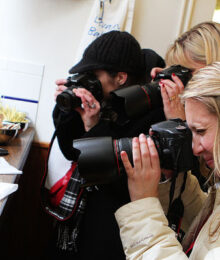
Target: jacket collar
217,198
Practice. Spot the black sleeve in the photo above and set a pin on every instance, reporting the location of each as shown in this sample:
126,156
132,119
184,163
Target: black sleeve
69,126
143,124
131,128
104,128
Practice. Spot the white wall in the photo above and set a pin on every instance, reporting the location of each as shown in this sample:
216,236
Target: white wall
45,32
157,23
48,32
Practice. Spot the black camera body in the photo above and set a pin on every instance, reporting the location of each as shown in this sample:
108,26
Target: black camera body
67,100
173,140
100,162
183,73
137,100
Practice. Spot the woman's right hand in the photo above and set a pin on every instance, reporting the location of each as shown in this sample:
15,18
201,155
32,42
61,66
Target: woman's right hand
170,91
90,108
60,87
144,177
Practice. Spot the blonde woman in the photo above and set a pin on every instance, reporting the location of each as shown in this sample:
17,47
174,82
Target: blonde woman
194,49
144,229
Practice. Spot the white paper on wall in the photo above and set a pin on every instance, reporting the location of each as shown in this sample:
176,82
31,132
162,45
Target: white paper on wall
20,84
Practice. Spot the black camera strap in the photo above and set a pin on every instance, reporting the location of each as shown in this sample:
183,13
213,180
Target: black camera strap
176,209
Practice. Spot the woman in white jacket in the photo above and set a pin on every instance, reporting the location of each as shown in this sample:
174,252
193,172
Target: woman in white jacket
143,226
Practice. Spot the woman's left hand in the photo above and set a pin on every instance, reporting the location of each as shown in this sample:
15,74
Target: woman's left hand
144,177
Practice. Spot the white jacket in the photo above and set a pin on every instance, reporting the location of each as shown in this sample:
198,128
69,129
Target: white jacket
145,233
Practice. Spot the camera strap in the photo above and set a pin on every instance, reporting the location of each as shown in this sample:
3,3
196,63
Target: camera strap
56,198
176,209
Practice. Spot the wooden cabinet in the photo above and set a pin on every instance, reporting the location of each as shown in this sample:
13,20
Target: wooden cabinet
25,229
18,149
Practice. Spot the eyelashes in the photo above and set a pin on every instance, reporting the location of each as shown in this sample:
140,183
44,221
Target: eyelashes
200,131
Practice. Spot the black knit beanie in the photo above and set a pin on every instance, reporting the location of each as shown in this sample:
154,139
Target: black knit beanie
114,51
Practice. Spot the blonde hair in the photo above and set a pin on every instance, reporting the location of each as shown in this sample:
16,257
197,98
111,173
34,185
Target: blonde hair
205,88
200,44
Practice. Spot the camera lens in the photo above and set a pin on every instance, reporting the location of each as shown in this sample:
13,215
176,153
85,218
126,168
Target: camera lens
67,100
137,100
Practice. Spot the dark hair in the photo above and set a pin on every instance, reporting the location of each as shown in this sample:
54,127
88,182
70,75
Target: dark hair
132,78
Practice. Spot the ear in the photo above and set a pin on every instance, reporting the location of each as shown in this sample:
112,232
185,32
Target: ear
122,78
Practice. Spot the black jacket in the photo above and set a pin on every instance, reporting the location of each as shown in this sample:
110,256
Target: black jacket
99,233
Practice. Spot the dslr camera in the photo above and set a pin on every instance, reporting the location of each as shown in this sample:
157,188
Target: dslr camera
100,162
67,100
137,100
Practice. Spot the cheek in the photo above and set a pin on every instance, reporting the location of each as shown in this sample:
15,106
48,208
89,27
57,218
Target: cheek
208,143
108,85
104,86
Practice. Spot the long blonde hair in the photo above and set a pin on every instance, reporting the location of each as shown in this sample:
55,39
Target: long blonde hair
200,44
205,87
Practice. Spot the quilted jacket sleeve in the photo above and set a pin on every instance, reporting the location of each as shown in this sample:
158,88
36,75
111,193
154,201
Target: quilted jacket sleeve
145,233
144,228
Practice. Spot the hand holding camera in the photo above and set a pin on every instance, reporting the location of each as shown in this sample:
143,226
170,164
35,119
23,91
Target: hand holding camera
170,91
138,100
144,177
100,159
60,87
67,100
78,93
89,109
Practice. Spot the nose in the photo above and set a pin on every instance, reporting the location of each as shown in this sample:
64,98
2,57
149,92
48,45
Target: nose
196,146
